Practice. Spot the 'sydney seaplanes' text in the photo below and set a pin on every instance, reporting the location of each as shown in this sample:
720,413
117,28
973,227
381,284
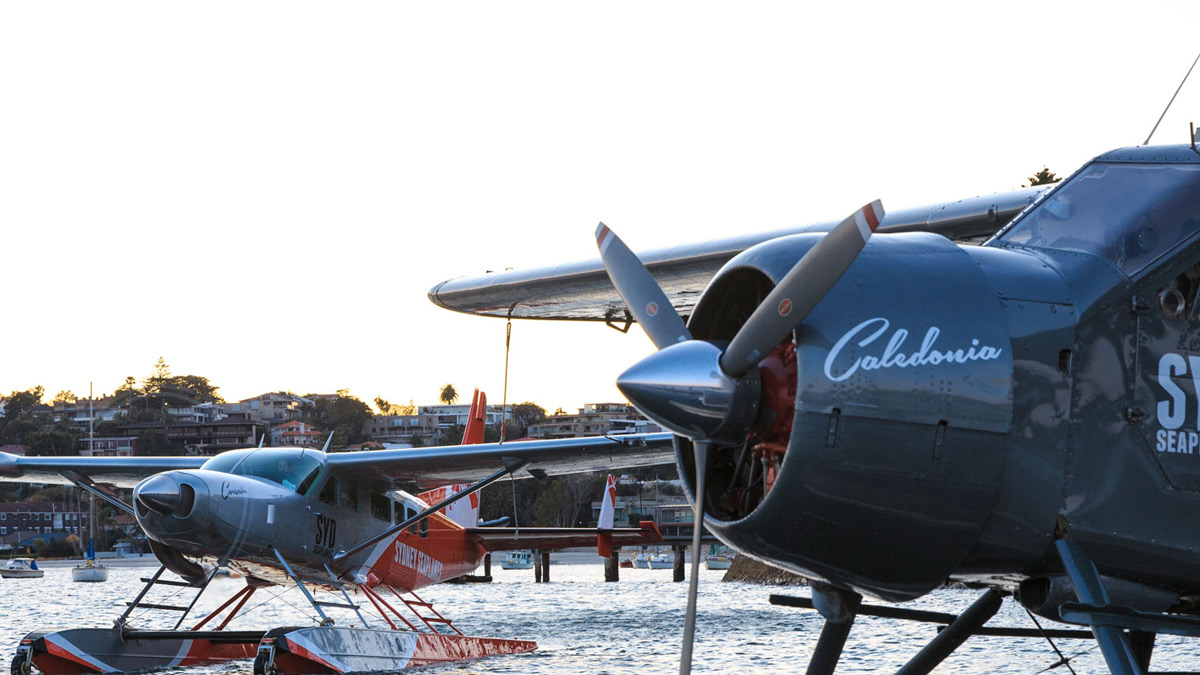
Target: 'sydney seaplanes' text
891,353
417,561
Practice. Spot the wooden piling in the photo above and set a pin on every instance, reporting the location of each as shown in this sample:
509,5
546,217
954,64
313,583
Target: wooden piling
487,565
678,570
546,567
612,566
537,568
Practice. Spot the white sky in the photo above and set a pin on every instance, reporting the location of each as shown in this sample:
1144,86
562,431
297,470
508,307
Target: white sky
263,192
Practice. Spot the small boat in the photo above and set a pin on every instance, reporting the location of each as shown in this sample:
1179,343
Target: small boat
517,560
90,570
719,561
21,568
662,561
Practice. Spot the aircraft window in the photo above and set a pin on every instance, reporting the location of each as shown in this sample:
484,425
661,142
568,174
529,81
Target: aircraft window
307,482
381,507
348,497
225,461
290,468
1129,213
329,492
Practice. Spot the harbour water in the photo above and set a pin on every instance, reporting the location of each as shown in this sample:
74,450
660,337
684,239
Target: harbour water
584,625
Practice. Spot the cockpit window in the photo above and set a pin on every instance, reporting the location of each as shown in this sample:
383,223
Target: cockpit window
1129,213
293,469
225,461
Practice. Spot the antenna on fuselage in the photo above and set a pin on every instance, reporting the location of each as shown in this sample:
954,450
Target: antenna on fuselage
327,442
261,441
1164,112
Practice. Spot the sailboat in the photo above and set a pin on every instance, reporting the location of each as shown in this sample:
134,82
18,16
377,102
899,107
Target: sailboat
89,569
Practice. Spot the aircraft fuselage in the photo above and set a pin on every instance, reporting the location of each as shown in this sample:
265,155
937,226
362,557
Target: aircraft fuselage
244,519
955,409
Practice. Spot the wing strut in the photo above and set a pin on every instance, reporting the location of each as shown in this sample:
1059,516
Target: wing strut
84,483
511,466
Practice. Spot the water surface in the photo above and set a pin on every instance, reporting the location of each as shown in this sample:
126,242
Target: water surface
583,625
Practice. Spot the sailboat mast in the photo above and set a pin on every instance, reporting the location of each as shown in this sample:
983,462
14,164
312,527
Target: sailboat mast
92,452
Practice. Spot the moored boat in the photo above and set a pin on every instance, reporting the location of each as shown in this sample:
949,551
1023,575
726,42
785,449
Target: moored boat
90,570
517,560
21,568
661,561
719,561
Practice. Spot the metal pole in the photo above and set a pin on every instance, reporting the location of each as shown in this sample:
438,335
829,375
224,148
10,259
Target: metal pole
945,642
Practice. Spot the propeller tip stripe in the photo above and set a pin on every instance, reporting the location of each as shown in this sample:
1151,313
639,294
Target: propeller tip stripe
602,233
874,214
868,217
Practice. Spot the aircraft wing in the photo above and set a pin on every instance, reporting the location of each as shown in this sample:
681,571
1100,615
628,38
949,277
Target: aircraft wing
388,469
582,291
124,472
516,539
442,465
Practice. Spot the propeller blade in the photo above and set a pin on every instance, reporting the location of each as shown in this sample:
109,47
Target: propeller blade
641,293
689,623
800,290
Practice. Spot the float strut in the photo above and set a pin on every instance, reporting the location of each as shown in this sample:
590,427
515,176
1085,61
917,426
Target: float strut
945,642
839,607
1114,643
1142,644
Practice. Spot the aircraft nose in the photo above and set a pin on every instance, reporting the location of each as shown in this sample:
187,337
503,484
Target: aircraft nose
683,388
159,494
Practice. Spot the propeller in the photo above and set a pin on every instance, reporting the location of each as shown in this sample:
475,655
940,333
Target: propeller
705,393
645,299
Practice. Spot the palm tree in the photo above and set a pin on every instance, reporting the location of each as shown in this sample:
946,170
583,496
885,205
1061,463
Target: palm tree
448,395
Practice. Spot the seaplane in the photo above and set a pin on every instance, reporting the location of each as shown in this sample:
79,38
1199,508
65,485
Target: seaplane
331,524
1002,392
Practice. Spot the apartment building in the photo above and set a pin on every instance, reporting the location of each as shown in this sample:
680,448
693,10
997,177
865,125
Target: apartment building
594,419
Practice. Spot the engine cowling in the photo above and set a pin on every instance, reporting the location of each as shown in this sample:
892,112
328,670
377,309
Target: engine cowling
878,446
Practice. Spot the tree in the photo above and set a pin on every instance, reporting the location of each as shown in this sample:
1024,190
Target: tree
21,416
66,396
552,507
344,415
154,443
452,435
1043,177
448,395
385,408
197,387
159,376
52,443
528,413
162,390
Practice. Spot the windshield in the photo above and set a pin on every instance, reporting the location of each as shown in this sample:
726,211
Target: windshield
1128,213
293,469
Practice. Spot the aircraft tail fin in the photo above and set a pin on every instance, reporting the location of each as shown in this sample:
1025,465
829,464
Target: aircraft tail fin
465,512
608,509
475,419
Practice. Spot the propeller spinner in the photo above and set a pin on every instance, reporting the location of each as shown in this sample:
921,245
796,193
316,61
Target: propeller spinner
706,391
